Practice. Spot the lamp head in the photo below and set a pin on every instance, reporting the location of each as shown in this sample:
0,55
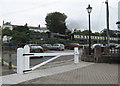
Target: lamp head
89,9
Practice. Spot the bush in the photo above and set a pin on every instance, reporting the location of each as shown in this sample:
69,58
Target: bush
57,40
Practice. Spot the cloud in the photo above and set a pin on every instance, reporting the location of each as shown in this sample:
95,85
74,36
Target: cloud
34,12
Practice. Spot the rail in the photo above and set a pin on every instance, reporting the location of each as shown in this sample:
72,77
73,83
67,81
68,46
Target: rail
23,58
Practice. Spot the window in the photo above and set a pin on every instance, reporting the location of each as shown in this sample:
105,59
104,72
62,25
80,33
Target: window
7,28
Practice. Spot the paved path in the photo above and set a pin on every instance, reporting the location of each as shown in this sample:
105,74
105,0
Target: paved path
82,73
99,73
18,78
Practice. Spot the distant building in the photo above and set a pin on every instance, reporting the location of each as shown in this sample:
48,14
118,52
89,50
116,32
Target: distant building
97,39
6,38
38,35
9,26
85,38
38,29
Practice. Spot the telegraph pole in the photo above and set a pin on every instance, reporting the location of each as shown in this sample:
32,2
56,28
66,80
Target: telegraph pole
107,19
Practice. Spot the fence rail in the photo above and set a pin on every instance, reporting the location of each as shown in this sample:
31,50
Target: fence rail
23,58
114,51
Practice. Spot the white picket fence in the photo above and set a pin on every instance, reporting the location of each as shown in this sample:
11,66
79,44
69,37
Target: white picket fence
23,58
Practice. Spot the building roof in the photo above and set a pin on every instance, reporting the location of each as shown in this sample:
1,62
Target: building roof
7,23
38,28
30,27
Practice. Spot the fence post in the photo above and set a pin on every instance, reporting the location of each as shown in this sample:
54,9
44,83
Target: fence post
20,60
26,58
2,56
76,55
10,60
97,53
2,60
106,50
85,50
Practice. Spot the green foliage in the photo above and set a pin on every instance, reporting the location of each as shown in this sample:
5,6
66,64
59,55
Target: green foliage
57,40
111,34
104,33
19,38
96,34
6,32
85,32
77,32
20,34
0,31
56,22
24,29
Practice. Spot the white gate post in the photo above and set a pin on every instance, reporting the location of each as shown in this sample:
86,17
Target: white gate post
76,55
26,58
20,60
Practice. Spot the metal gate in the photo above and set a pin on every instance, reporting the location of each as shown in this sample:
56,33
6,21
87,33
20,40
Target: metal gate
23,58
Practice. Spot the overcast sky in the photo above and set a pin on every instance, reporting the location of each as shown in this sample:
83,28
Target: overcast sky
33,12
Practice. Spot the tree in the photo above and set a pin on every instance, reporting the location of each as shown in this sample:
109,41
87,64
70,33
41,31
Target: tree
6,32
77,32
111,33
20,35
96,34
56,22
21,29
19,38
86,32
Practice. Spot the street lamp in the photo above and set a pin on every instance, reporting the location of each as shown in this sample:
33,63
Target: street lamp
89,9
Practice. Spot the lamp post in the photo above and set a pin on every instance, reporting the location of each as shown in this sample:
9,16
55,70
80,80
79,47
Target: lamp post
107,18
89,9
